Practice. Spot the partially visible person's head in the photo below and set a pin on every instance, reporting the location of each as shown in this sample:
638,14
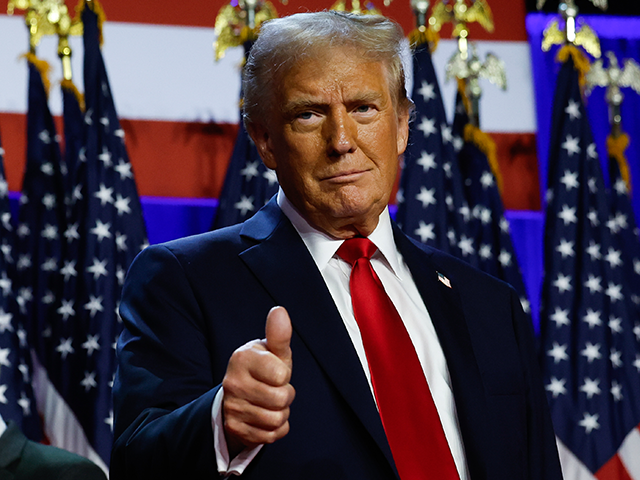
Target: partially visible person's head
286,41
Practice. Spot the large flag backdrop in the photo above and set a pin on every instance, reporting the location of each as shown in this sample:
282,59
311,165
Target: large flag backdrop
180,108
180,146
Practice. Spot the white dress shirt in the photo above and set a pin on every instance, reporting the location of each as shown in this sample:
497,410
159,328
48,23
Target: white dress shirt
399,285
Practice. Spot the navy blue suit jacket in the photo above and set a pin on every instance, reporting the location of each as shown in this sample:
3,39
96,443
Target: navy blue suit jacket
188,304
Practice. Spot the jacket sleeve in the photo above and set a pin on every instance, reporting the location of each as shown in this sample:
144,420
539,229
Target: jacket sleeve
164,386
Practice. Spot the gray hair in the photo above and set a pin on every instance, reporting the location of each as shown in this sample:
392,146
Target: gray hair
284,41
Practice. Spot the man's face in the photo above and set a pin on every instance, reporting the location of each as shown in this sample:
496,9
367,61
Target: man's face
334,139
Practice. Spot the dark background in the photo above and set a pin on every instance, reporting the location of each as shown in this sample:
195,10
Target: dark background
616,7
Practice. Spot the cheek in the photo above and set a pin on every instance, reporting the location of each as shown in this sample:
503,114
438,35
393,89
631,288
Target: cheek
382,152
296,172
301,149
380,138
391,172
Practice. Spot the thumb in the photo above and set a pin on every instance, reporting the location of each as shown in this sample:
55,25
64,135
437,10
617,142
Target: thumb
278,332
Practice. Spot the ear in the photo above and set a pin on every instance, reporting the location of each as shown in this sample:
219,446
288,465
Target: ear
263,141
403,130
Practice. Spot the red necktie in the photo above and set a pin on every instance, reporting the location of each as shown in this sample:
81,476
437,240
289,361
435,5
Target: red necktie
409,416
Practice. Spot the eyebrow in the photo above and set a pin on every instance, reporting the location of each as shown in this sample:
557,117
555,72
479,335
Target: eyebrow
301,104
304,103
367,97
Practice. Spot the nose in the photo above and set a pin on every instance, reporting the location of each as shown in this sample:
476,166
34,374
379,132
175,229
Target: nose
341,133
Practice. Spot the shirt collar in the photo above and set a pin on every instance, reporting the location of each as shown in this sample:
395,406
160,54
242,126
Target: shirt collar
323,247
3,426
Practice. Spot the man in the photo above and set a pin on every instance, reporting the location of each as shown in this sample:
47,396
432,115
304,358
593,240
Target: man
197,395
22,459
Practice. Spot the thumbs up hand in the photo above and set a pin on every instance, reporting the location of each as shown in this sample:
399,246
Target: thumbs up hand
257,392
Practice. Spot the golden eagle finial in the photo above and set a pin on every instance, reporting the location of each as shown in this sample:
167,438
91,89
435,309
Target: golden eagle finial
460,13
613,79
579,35
239,23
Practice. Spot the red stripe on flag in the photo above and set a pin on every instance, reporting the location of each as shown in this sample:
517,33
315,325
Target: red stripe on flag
190,159
518,160
614,469
169,159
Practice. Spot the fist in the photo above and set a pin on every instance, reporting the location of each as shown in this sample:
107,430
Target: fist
257,392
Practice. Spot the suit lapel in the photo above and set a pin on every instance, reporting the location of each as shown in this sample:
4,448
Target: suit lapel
444,305
285,268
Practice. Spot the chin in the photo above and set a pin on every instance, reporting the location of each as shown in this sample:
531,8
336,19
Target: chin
353,201
358,212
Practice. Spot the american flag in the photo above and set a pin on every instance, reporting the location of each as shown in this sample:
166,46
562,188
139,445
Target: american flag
248,184
41,218
622,224
17,402
590,337
431,204
487,224
74,133
105,231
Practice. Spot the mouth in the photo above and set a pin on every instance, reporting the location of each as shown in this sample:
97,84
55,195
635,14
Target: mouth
348,176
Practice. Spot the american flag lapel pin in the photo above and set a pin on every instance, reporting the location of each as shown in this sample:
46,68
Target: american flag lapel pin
444,280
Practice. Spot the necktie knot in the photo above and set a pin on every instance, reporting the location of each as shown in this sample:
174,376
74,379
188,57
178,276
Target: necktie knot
356,248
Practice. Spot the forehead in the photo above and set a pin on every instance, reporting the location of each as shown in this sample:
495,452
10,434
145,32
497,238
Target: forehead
338,70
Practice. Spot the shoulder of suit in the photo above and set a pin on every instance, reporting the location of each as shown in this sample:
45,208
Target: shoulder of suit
45,461
200,244
234,238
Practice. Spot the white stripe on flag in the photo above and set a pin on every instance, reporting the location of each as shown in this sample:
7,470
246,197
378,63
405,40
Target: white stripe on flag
60,424
572,468
163,72
156,72
510,111
630,453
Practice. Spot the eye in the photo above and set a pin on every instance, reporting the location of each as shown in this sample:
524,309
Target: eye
364,113
363,109
307,118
